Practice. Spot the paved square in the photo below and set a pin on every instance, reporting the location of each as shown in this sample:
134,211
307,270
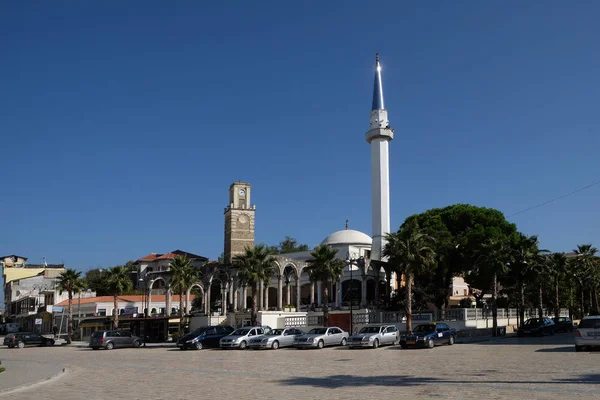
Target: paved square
529,368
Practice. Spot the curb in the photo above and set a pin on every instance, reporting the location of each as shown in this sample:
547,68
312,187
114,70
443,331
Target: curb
33,385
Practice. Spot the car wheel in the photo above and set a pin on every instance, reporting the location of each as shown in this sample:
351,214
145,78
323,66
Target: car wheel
430,344
11,346
275,345
136,344
95,348
451,341
198,346
20,345
578,348
404,346
50,343
344,341
243,345
375,343
182,348
321,344
110,346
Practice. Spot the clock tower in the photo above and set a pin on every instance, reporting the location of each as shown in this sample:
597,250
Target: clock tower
239,221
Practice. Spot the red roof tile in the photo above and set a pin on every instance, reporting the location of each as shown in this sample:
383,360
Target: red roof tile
158,298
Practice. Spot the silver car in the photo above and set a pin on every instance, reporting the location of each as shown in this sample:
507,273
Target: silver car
375,336
321,337
587,334
275,339
240,338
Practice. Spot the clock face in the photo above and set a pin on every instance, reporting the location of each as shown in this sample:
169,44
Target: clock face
242,192
242,219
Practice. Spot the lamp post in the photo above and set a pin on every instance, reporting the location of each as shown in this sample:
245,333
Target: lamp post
350,261
144,308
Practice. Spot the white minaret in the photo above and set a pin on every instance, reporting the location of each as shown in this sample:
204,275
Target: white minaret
379,135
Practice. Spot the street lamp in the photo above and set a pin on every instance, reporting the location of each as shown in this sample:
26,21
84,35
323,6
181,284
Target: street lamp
144,308
350,261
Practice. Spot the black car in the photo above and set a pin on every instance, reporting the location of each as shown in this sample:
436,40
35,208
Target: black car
204,337
564,324
429,335
23,339
537,327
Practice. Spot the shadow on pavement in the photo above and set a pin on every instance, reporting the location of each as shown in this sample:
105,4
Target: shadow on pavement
562,349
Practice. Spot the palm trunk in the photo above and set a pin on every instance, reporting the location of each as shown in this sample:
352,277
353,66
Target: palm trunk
582,302
591,308
181,312
70,318
595,300
495,305
326,304
409,284
571,302
254,312
557,300
388,276
116,313
541,304
522,305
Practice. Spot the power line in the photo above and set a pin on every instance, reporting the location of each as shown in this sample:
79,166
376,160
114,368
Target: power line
556,199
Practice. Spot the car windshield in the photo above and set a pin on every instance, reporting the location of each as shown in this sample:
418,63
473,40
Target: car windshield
532,322
198,332
591,323
370,329
424,329
317,331
275,332
240,332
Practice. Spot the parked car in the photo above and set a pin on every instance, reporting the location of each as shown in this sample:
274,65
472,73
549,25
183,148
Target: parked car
204,337
537,327
275,339
429,335
321,337
588,333
110,339
375,336
240,338
563,324
22,339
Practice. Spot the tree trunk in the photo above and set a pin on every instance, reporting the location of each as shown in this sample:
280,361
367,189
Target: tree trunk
70,318
557,301
582,302
522,305
495,305
254,311
595,301
409,284
571,302
388,278
116,312
181,312
326,304
541,304
591,308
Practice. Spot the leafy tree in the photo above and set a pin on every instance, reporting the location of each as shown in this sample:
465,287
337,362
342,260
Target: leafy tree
557,269
409,251
288,245
69,281
255,265
118,282
183,276
586,270
324,266
95,279
524,252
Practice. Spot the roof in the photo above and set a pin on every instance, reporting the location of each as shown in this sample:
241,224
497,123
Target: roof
377,87
158,298
348,236
13,255
171,255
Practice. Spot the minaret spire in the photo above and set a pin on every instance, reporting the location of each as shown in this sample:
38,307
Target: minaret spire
379,135
377,87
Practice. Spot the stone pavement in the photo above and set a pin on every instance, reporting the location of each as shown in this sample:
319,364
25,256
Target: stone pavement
512,368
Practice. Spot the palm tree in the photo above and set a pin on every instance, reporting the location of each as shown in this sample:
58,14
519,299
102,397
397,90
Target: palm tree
69,281
255,265
585,264
118,282
183,277
557,267
524,250
325,267
409,252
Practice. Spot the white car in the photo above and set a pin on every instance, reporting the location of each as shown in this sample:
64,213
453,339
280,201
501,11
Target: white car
588,333
240,338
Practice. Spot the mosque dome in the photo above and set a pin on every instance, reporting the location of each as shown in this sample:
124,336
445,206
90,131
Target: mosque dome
348,236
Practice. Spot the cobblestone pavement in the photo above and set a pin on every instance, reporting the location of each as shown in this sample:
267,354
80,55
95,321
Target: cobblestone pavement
529,368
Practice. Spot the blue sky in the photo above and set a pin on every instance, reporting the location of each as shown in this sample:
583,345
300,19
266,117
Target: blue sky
123,124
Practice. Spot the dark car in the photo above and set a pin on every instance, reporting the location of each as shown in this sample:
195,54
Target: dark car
563,324
22,339
537,327
204,337
429,336
110,339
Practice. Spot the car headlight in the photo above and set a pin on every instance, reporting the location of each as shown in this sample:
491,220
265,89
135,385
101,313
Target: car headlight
191,341
314,340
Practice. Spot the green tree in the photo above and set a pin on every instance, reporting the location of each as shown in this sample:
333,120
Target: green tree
183,276
255,265
118,281
409,252
324,266
586,265
96,280
557,269
69,281
524,252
